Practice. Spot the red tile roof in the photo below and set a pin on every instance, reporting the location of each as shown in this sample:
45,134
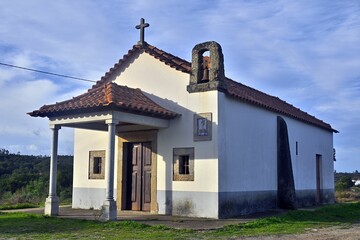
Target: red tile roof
274,104
234,89
171,60
107,96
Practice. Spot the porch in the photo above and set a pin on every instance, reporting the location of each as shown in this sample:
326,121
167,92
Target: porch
111,109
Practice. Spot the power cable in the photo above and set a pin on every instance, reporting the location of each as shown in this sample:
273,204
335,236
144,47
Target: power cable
45,72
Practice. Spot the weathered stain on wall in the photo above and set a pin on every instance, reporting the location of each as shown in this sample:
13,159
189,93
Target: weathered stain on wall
183,208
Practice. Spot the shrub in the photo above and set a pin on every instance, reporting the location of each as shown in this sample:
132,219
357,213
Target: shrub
344,183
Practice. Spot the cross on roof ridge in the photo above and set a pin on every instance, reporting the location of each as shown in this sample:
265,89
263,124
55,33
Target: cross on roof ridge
142,27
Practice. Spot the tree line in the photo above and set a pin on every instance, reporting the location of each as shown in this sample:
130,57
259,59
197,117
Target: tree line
344,180
25,178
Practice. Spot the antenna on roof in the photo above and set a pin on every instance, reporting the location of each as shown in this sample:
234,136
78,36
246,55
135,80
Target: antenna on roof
142,27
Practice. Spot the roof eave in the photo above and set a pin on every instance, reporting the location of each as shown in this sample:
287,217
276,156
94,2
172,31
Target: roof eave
62,113
328,128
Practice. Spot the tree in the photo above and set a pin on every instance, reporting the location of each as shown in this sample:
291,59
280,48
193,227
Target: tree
25,178
344,183
4,152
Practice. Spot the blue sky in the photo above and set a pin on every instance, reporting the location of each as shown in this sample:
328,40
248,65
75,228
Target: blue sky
305,52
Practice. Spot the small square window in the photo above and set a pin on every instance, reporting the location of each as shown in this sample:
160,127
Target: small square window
183,164
97,164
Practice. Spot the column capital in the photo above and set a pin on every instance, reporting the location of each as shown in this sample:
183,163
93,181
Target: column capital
111,121
54,126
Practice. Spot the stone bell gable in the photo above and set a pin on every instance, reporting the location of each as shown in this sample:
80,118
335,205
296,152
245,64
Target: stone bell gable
207,73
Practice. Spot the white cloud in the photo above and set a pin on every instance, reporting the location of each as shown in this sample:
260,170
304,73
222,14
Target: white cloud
24,92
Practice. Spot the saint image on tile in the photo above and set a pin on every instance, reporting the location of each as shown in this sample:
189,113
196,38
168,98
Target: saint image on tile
202,129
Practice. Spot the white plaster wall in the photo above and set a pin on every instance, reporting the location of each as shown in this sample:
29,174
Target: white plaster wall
157,79
247,159
311,141
180,134
248,156
89,193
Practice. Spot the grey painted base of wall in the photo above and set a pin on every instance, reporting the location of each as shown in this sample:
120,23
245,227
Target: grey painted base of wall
207,204
306,198
186,203
86,198
233,204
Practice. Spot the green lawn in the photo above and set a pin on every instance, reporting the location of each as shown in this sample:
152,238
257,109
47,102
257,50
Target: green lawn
18,206
30,226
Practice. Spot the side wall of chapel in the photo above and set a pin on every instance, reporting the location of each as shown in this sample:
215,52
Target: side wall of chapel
248,159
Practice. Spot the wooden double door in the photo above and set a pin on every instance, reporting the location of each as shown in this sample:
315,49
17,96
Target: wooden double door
139,173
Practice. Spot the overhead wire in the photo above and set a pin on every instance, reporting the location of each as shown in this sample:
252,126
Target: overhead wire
46,72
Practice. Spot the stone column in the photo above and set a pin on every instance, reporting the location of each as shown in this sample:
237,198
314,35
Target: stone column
109,205
52,201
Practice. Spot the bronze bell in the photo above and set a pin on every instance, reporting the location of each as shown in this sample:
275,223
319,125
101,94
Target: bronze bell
205,75
206,63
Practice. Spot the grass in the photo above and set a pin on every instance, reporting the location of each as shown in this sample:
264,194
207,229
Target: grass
9,206
30,226
18,206
296,221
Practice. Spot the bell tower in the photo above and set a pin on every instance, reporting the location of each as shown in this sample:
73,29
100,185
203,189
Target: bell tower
207,72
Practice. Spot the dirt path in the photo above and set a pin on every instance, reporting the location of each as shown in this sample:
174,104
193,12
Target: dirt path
339,232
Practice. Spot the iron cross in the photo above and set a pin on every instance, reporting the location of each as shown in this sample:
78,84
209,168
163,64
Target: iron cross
142,27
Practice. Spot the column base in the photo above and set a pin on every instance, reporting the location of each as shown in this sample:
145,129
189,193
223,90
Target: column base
52,206
108,210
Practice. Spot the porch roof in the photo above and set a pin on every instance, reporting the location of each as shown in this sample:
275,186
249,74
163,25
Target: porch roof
107,96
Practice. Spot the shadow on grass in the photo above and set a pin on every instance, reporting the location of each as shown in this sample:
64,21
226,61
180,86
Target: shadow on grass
18,206
18,223
43,227
27,223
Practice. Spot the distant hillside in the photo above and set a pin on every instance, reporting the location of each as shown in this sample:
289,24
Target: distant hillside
354,175
25,178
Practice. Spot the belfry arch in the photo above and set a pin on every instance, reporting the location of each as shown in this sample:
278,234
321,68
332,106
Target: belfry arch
207,72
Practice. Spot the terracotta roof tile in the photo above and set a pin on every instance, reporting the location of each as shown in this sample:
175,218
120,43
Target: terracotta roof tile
274,104
234,89
105,97
167,58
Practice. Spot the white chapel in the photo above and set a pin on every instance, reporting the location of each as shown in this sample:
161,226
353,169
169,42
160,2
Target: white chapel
164,135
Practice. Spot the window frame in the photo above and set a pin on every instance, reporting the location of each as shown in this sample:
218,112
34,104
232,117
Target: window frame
93,155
